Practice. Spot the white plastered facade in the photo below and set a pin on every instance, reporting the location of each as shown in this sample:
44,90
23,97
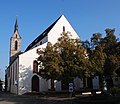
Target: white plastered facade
21,70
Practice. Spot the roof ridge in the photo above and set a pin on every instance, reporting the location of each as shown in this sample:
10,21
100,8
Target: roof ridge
42,35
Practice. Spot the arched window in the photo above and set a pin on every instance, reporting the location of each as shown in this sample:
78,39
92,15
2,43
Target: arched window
16,35
16,45
35,66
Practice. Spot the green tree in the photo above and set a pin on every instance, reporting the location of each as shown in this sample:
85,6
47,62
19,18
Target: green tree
112,61
104,55
64,60
74,61
96,54
49,64
98,57
109,43
117,51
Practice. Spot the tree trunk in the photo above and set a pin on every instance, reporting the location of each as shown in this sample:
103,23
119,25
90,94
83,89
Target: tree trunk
109,82
52,85
84,83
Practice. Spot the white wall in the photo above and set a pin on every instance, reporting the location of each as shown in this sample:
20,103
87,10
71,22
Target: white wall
57,29
57,85
12,86
43,84
55,32
26,69
78,83
95,82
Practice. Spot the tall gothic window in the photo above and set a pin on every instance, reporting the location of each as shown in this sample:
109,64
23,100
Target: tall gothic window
16,45
35,66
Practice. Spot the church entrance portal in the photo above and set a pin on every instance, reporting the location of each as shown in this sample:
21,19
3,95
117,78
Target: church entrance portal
35,83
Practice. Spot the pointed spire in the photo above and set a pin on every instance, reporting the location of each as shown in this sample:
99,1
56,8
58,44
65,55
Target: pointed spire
16,26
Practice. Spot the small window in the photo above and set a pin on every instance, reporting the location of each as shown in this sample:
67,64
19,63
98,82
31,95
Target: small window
16,45
40,43
16,35
63,28
35,66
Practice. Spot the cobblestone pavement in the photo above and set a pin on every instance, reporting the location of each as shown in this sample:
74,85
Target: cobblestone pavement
8,98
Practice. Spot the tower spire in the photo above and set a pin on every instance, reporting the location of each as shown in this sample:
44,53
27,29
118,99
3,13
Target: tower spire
15,43
16,26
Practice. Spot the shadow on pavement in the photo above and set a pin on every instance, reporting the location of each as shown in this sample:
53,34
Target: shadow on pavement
8,98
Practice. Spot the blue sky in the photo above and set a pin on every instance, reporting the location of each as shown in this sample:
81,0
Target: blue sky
86,17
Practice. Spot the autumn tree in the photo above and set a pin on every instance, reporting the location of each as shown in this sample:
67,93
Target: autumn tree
49,64
64,60
96,55
74,57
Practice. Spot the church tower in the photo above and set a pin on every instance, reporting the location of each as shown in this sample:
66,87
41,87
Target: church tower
15,43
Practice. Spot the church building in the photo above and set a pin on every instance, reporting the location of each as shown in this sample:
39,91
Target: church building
21,74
